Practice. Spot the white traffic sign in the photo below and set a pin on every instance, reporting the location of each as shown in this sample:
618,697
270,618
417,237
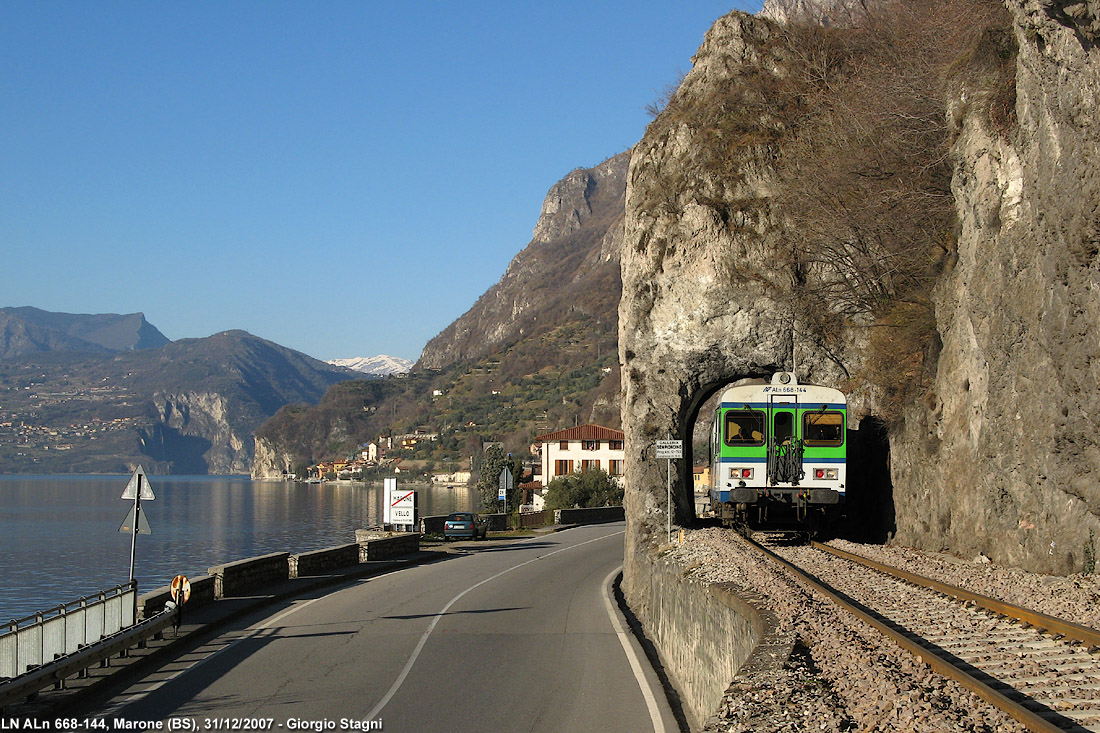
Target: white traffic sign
670,449
402,507
138,487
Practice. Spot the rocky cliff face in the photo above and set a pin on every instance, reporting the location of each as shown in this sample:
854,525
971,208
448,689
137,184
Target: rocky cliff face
197,433
571,263
999,456
1005,458
270,460
703,302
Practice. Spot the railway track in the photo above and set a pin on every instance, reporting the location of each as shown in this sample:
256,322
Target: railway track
1042,671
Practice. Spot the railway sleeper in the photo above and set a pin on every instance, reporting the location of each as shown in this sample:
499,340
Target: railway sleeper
1042,654
1087,705
1037,683
1086,719
1011,664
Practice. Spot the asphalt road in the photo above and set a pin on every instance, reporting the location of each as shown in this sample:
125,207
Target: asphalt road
516,635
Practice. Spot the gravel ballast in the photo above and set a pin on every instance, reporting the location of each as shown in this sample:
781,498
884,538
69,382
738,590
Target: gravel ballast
844,675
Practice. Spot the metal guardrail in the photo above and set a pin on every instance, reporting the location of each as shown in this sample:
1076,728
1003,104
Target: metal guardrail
35,640
56,671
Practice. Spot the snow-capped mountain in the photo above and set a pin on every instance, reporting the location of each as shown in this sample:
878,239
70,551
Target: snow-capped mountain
376,366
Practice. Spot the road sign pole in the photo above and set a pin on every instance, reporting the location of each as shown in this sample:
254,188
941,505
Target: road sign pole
134,530
137,488
670,450
668,464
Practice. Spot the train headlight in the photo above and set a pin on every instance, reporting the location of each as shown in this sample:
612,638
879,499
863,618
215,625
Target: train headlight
826,474
741,473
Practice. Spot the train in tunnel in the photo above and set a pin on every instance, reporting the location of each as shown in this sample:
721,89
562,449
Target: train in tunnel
778,455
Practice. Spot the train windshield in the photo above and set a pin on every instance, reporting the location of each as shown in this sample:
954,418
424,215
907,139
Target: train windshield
823,428
784,426
744,427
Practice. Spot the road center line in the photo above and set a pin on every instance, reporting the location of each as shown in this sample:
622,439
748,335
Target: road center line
431,627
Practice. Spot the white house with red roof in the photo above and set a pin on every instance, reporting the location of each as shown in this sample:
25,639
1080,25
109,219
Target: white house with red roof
580,449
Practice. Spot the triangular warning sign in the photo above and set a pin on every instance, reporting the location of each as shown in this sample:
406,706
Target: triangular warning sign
142,523
132,488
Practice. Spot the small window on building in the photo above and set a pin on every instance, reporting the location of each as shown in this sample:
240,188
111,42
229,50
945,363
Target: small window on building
563,444
590,465
563,468
615,444
823,428
590,445
616,468
744,427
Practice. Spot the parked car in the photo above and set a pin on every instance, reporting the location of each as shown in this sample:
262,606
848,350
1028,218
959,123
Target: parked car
465,524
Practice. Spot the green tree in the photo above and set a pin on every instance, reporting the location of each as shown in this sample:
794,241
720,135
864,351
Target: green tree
589,488
493,462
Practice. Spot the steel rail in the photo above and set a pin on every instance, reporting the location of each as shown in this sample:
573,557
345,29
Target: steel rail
1076,632
938,664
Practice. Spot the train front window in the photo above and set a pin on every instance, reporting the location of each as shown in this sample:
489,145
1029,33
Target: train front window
744,427
823,428
784,426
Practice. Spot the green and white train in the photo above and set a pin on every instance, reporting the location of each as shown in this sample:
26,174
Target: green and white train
778,454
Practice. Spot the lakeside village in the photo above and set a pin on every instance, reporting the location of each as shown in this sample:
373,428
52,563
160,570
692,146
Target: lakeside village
560,453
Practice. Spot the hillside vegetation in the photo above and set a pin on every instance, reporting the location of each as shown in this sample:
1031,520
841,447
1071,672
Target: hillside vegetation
564,377
537,352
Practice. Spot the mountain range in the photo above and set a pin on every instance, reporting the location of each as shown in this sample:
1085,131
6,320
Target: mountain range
105,393
375,366
31,330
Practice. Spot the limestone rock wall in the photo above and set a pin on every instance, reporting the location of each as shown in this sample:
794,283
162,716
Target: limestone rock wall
1006,459
702,302
195,434
270,462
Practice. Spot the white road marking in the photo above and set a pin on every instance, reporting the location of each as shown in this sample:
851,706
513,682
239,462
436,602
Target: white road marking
374,713
269,624
635,664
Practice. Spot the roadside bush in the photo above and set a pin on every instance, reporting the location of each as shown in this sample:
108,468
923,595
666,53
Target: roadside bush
583,489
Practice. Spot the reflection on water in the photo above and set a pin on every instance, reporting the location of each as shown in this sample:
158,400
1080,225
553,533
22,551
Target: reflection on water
59,535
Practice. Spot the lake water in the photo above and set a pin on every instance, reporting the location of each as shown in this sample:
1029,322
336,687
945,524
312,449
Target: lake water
59,537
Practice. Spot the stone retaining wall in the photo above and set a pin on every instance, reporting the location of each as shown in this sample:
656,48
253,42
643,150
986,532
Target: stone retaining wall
597,515
151,603
321,561
250,573
387,548
706,633
253,573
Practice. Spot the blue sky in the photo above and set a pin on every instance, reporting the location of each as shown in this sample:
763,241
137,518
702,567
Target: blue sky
343,178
